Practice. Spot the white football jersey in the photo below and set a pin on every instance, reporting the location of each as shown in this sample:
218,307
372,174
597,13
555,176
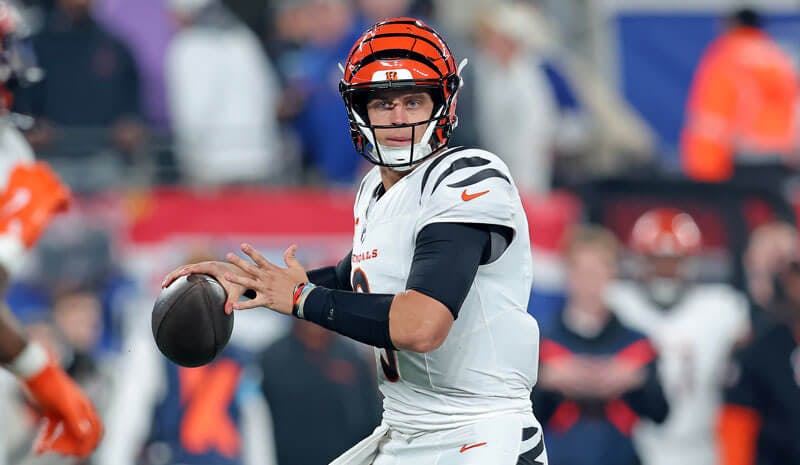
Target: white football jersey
487,366
694,340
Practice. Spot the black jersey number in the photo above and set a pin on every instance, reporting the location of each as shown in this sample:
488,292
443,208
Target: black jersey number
360,283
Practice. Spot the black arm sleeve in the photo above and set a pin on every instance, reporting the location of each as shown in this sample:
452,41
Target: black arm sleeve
333,277
447,257
649,400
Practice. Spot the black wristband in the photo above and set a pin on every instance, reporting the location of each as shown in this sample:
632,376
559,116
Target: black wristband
363,317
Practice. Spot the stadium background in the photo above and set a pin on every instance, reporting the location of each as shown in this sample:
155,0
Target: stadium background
140,213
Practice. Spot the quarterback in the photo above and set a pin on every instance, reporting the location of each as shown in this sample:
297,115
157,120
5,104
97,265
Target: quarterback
30,193
439,274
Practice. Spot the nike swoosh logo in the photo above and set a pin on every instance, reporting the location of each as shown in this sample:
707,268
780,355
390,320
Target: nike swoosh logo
20,199
465,447
466,197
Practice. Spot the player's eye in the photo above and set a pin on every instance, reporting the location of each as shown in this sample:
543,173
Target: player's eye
380,105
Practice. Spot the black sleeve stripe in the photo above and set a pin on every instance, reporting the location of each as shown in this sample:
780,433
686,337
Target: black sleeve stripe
480,176
435,163
528,433
530,457
461,163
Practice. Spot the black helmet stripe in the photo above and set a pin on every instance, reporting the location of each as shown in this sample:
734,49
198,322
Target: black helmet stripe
415,37
394,54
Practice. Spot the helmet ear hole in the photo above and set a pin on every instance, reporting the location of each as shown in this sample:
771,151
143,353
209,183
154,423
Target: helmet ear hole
453,83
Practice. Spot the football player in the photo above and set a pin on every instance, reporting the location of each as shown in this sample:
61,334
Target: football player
694,328
439,275
30,193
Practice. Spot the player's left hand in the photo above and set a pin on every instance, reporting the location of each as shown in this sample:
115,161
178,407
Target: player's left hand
274,285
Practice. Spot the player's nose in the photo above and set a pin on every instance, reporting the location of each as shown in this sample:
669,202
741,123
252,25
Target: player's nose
399,114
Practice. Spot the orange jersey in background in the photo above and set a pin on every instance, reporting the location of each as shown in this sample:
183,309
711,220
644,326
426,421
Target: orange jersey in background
743,100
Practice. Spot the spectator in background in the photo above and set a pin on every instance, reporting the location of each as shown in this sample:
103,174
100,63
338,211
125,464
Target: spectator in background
767,248
509,97
760,420
694,327
164,414
313,76
581,124
74,254
339,403
376,10
255,14
597,375
222,94
146,28
77,317
88,102
741,116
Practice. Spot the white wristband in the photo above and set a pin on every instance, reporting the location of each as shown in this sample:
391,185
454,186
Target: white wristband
30,361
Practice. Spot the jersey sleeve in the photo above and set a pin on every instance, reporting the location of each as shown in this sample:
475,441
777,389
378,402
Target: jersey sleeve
468,186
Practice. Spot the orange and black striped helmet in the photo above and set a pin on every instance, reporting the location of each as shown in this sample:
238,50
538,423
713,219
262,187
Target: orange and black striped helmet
400,53
666,232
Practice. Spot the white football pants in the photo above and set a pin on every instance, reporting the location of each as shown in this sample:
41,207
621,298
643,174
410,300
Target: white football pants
506,440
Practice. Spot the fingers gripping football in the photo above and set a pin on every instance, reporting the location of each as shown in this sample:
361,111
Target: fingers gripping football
218,270
272,284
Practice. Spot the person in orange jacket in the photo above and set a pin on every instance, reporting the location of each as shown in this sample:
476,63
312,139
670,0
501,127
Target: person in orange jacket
30,194
742,107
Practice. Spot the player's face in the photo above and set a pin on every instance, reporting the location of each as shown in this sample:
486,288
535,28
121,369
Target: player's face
591,270
396,108
665,267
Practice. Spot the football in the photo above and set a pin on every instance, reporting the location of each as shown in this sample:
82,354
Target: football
189,323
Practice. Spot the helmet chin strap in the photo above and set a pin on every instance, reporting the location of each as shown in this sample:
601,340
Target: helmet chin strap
396,154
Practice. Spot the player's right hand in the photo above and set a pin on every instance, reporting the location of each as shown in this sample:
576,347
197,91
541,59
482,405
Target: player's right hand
70,424
216,269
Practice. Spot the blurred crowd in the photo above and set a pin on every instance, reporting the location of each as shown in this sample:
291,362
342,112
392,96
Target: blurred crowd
228,92
209,93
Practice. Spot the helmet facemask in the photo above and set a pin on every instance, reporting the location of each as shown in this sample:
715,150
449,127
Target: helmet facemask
436,128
